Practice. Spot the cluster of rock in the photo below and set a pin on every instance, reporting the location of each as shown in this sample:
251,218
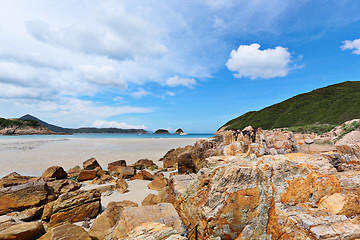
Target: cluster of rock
16,130
241,184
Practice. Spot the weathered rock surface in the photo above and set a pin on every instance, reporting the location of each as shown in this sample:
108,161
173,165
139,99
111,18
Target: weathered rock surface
66,231
154,231
158,183
145,163
341,204
55,172
23,231
6,222
85,175
108,218
113,166
14,179
30,213
24,196
63,186
134,216
73,207
143,175
91,164
121,186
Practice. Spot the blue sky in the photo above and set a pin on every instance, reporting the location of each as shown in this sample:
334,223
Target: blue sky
169,64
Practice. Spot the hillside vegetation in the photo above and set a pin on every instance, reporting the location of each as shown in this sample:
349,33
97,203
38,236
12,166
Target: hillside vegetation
326,106
6,123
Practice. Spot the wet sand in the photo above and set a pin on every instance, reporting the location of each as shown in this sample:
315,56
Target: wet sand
33,156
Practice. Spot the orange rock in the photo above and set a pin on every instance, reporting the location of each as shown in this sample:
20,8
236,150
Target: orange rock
56,172
91,164
121,186
158,183
341,204
143,175
85,175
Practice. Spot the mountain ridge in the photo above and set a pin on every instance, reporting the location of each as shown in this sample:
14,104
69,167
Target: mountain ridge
333,104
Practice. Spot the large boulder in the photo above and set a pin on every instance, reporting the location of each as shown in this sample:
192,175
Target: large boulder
23,231
30,213
56,172
158,183
14,179
143,175
66,231
145,163
133,217
235,197
341,204
24,196
63,186
113,166
107,219
85,175
185,163
73,207
91,164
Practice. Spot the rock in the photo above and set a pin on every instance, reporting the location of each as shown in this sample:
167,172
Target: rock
238,196
134,216
6,222
113,166
74,172
158,183
66,231
152,199
154,230
143,175
24,196
30,213
108,218
341,204
124,172
56,172
85,175
145,163
23,231
121,186
179,131
185,163
63,186
73,207
14,179
91,164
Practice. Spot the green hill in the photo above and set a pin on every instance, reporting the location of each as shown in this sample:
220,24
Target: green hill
5,123
330,105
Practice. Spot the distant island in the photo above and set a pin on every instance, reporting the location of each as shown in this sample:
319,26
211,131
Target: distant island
179,131
161,131
29,124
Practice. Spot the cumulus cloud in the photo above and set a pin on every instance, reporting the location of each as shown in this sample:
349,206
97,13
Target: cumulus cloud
140,93
352,45
115,124
250,61
179,81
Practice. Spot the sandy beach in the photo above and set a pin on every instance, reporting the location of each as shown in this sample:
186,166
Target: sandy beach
33,156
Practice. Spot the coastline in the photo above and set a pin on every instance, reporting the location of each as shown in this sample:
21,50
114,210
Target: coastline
32,156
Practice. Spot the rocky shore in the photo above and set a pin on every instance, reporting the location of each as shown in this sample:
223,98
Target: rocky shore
241,184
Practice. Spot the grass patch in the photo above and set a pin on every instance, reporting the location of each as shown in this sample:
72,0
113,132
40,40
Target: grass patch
318,129
348,128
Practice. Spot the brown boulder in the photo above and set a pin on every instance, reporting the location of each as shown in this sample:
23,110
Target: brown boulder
341,204
66,231
30,213
121,186
153,199
102,177
124,172
14,179
73,207
91,164
6,222
143,175
133,217
23,231
113,166
154,230
145,163
56,172
74,172
63,186
85,175
108,218
158,183
185,163
24,196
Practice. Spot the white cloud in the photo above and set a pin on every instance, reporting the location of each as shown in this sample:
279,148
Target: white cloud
140,93
352,45
169,93
250,61
115,124
179,81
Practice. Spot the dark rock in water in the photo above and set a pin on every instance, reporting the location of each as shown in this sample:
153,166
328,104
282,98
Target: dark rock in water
56,172
161,131
91,164
179,131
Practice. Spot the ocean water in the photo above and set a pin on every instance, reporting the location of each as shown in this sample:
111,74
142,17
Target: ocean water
108,136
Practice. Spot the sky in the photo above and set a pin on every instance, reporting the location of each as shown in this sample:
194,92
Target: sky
169,64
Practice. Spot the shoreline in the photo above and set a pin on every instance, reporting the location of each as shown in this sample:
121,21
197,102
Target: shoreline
32,156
